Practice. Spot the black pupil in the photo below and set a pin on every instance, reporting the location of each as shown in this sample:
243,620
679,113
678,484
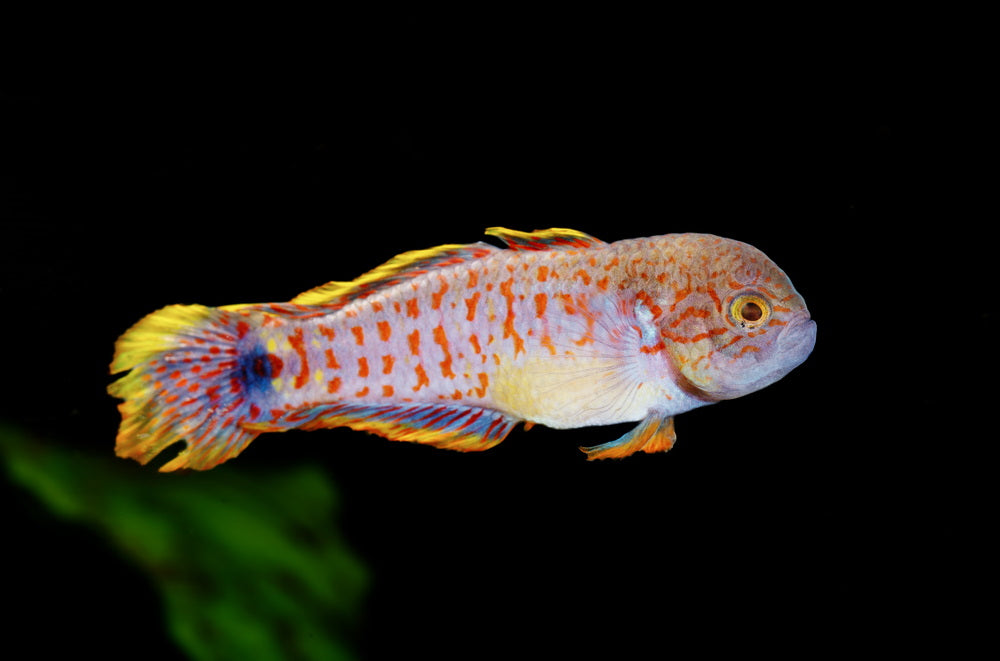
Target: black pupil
751,311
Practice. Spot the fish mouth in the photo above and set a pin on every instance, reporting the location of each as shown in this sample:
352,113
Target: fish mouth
797,338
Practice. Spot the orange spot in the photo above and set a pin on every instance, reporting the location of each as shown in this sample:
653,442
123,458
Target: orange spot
299,345
362,367
387,391
583,275
412,309
442,340
547,343
508,322
384,330
567,303
748,347
484,382
474,341
376,306
471,305
327,332
543,273
541,301
362,392
457,394
473,279
602,284
414,340
333,385
359,334
331,360
387,362
422,379
438,295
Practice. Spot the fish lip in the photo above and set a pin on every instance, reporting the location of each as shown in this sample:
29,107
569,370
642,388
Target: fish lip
799,334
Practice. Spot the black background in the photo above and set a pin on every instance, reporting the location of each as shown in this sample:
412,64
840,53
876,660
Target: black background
836,510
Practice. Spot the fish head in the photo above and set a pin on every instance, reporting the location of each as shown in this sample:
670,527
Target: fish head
734,324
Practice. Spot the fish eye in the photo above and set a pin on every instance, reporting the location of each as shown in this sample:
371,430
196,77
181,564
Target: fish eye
750,310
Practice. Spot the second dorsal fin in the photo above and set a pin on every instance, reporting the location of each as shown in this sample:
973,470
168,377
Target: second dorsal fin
556,238
398,269
415,263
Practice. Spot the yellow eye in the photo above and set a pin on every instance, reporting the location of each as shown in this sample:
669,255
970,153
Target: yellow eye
750,311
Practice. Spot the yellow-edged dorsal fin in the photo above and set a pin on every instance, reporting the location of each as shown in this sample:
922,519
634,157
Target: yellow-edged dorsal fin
398,269
555,238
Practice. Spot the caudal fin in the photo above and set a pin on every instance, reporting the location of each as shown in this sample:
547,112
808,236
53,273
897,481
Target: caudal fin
186,383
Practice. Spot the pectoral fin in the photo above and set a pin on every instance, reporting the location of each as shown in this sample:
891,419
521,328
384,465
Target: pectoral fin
654,434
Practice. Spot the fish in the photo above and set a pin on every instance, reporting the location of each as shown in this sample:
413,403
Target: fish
454,346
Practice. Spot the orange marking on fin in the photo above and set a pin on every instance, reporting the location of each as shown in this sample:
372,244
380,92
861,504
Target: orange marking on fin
331,360
384,330
412,308
474,341
414,341
473,279
387,391
543,273
583,275
387,363
362,392
333,385
327,332
602,284
362,367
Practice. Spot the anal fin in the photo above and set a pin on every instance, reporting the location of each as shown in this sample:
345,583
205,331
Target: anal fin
462,428
654,434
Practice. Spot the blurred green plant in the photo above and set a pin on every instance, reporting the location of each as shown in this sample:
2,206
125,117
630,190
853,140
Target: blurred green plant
250,566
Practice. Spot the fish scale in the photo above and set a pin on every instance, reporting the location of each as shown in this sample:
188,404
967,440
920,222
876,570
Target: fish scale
455,345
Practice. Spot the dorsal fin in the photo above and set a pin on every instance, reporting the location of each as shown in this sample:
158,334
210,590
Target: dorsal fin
398,269
556,238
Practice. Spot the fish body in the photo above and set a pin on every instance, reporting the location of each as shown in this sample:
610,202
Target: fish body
455,345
